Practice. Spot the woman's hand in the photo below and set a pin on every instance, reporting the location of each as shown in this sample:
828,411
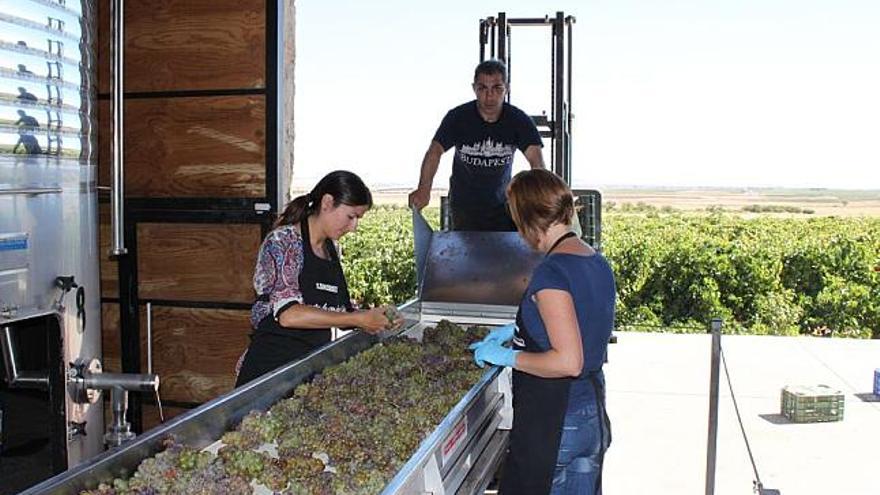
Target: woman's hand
493,352
379,319
502,334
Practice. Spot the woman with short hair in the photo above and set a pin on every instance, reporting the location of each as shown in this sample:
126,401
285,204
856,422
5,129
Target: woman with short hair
560,426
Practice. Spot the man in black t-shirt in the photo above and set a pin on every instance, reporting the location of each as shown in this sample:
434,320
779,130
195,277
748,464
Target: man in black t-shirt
486,133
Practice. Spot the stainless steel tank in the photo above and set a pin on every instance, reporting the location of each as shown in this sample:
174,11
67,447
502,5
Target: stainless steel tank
49,209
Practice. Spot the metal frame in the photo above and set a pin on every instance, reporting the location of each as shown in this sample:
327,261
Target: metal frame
200,209
712,435
130,300
117,126
496,32
588,207
129,318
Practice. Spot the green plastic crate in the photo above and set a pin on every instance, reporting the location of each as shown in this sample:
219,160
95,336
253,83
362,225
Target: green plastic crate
811,404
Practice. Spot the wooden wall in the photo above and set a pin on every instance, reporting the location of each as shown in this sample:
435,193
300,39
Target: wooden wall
200,173
190,146
188,44
194,350
197,262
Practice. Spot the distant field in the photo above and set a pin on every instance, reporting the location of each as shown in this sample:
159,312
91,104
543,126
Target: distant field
821,202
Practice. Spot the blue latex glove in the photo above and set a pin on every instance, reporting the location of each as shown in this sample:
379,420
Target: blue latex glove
502,334
493,353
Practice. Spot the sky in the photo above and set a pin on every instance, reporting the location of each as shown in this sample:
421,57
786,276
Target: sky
746,93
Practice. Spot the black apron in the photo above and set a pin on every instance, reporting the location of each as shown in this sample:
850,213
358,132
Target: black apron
539,408
323,285
496,219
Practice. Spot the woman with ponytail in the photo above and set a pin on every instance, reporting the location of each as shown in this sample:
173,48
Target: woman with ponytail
301,290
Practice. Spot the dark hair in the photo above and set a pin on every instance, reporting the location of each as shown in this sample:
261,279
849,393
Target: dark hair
538,199
491,67
345,187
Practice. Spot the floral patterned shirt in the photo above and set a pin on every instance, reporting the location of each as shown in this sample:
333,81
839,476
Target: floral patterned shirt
276,277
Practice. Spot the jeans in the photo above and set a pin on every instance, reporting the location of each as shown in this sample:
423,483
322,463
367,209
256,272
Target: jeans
579,463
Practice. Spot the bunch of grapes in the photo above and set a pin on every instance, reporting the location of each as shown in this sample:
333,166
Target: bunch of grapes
178,470
256,428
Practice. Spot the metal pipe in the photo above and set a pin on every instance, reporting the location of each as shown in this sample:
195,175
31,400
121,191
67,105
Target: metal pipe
14,377
150,337
85,379
552,121
117,29
559,98
30,190
569,21
569,114
712,440
509,61
119,430
530,21
494,26
483,37
128,381
502,39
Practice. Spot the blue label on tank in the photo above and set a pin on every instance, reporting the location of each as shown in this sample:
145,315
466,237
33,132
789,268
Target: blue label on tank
13,244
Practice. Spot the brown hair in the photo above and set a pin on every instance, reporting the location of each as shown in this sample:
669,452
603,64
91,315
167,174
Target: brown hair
345,187
538,199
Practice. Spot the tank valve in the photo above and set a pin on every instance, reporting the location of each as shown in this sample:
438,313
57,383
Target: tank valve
76,429
65,284
87,380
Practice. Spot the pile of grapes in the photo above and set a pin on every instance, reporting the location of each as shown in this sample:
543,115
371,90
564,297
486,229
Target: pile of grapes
348,431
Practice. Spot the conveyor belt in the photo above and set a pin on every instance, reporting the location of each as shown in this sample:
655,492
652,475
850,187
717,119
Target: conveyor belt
441,464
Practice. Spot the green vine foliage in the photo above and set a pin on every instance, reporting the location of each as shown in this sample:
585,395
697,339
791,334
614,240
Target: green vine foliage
676,271
378,259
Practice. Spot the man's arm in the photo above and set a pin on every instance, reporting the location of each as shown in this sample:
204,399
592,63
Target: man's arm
535,156
419,198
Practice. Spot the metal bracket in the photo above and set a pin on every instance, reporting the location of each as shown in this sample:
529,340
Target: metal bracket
79,393
75,429
66,284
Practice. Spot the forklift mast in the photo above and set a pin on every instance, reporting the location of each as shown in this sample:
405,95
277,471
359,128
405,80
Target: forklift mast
496,33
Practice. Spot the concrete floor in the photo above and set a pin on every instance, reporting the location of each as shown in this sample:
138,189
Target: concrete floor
658,388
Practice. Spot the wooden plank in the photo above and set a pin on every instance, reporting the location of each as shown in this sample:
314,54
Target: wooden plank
109,267
187,45
110,345
197,262
195,350
190,147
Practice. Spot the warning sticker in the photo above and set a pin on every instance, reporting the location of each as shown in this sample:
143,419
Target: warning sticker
455,438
